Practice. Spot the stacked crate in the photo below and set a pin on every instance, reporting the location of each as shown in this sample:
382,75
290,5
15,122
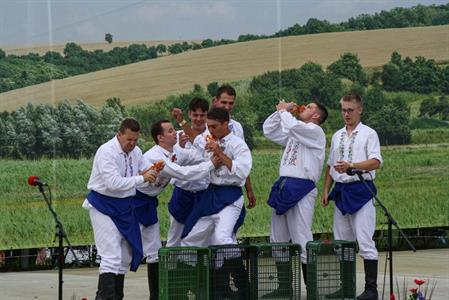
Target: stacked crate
331,270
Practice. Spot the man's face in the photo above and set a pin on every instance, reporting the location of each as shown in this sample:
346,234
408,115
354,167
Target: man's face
309,113
128,139
225,101
351,112
198,118
168,136
217,129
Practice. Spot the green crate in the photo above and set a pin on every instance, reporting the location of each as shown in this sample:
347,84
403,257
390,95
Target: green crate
184,273
278,271
331,270
232,274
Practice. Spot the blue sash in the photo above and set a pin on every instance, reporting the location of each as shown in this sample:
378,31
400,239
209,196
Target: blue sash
212,201
145,209
182,202
287,192
119,210
350,197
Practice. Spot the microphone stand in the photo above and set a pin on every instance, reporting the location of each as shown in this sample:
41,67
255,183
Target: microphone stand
391,222
61,234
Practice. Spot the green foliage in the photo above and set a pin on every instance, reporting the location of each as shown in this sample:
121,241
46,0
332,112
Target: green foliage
391,121
427,123
2,54
422,75
430,136
348,66
212,88
108,37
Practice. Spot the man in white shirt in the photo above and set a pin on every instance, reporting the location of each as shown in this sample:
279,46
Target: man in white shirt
355,146
225,98
112,185
186,193
216,217
293,194
145,202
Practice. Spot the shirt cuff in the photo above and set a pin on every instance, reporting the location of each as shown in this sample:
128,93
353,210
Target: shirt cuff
139,180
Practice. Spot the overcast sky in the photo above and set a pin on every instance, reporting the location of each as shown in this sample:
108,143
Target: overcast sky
43,22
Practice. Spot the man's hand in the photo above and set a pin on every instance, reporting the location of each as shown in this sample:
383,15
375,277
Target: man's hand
216,161
324,199
341,166
214,148
176,113
282,105
150,176
183,139
251,199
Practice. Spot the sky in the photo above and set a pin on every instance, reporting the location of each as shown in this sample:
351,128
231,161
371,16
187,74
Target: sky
40,22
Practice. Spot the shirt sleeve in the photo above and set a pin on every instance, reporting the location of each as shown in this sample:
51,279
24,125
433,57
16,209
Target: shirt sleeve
110,174
330,160
373,147
241,165
187,173
272,130
308,134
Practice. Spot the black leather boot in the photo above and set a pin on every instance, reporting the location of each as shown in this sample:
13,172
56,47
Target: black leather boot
119,284
106,284
284,289
153,280
304,273
370,292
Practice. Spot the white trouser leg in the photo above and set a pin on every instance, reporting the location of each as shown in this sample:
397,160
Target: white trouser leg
110,244
200,233
174,233
299,222
364,224
151,242
342,226
224,223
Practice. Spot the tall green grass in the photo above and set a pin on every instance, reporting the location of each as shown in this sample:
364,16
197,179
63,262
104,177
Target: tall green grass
413,183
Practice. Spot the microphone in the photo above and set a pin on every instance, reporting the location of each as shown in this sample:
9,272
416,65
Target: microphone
34,180
352,171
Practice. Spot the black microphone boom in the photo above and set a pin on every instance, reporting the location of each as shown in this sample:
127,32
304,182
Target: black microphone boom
352,171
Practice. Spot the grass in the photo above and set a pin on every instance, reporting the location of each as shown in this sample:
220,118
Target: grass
152,80
412,184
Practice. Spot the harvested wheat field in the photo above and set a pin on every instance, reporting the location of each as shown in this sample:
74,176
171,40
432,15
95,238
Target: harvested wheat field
154,79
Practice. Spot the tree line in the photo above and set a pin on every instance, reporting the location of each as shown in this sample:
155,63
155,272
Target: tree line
20,71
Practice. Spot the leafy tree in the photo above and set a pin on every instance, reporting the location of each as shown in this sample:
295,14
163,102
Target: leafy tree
445,80
25,133
161,48
48,140
212,88
207,43
2,54
108,37
428,107
348,66
392,123
175,48
443,107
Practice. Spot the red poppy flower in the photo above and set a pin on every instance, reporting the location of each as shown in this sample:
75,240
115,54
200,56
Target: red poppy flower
414,291
419,282
392,297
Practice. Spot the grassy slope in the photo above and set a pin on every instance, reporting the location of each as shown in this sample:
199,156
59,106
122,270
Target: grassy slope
155,79
412,184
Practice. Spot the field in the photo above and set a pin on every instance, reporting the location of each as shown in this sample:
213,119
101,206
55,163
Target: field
413,184
153,80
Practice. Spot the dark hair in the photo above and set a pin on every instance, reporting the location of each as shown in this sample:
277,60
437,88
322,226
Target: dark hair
129,123
200,103
156,129
353,97
225,88
322,112
218,114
